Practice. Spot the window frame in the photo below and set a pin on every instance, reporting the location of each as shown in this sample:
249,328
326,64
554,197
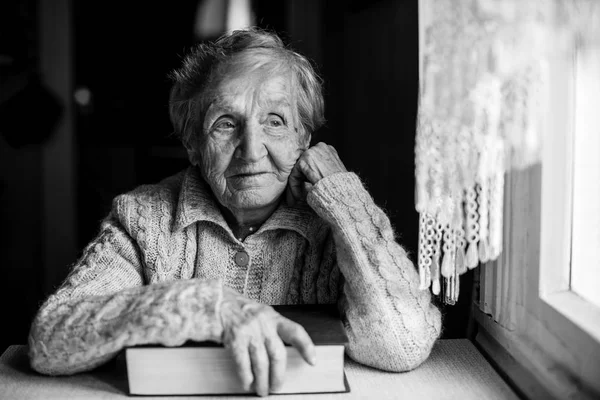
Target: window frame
557,220
557,333
585,242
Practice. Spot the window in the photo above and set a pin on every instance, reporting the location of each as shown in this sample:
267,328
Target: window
540,298
585,253
569,272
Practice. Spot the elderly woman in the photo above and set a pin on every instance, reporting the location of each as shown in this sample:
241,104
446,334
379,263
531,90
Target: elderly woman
259,218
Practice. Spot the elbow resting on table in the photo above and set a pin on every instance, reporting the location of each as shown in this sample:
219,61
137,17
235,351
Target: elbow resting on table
400,352
52,354
410,352
407,360
41,362
395,358
41,358
57,362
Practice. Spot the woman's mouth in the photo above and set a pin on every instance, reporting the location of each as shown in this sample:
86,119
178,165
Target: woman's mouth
247,174
249,179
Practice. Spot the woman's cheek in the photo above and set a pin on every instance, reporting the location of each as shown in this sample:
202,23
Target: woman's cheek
216,157
285,154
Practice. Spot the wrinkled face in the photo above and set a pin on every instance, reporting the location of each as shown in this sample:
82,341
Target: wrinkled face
251,139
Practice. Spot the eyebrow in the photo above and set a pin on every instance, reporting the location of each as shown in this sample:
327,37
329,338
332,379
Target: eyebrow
221,103
279,101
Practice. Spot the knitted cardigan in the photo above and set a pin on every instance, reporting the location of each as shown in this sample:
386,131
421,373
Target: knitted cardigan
156,272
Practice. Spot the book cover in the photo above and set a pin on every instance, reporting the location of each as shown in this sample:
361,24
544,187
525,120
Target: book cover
198,368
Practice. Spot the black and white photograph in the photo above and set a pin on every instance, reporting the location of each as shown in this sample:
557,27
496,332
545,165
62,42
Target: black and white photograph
314,199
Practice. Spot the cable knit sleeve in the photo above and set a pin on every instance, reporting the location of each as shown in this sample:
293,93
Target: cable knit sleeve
103,306
391,324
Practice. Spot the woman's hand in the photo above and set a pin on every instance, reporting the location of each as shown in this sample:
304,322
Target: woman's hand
254,334
314,164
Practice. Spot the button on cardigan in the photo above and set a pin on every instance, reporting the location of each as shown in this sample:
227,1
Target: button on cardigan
157,270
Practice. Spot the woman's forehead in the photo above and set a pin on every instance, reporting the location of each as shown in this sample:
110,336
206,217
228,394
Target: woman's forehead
256,85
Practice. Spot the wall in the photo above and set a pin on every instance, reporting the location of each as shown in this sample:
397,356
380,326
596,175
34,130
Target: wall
367,53
37,204
371,64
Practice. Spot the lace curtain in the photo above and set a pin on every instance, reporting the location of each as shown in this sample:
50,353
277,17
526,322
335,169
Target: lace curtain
483,96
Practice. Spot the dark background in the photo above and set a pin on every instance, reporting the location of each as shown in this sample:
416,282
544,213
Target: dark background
61,162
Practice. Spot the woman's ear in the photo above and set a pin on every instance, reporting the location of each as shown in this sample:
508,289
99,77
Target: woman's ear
192,151
193,157
306,140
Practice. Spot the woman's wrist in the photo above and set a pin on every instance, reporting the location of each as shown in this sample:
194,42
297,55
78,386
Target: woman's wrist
205,309
235,308
338,197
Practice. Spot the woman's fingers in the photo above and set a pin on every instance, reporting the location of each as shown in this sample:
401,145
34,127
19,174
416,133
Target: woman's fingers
295,335
314,164
241,357
254,333
277,361
320,161
260,367
296,189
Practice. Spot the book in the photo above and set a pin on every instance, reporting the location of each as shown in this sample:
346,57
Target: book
203,368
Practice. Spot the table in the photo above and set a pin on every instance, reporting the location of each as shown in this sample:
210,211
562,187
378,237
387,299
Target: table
454,370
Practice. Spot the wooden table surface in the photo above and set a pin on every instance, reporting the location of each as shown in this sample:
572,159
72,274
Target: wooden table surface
455,370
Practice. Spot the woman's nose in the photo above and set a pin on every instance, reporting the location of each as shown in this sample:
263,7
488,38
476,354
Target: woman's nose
251,147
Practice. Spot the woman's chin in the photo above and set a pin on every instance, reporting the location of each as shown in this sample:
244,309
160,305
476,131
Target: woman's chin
254,192
261,181
253,197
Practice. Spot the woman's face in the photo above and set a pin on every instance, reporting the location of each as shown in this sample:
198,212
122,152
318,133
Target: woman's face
251,139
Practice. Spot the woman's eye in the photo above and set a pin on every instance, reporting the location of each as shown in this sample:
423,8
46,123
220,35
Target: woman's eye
225,125
275,121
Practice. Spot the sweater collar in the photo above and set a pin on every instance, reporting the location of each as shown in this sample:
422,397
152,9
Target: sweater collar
197,203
